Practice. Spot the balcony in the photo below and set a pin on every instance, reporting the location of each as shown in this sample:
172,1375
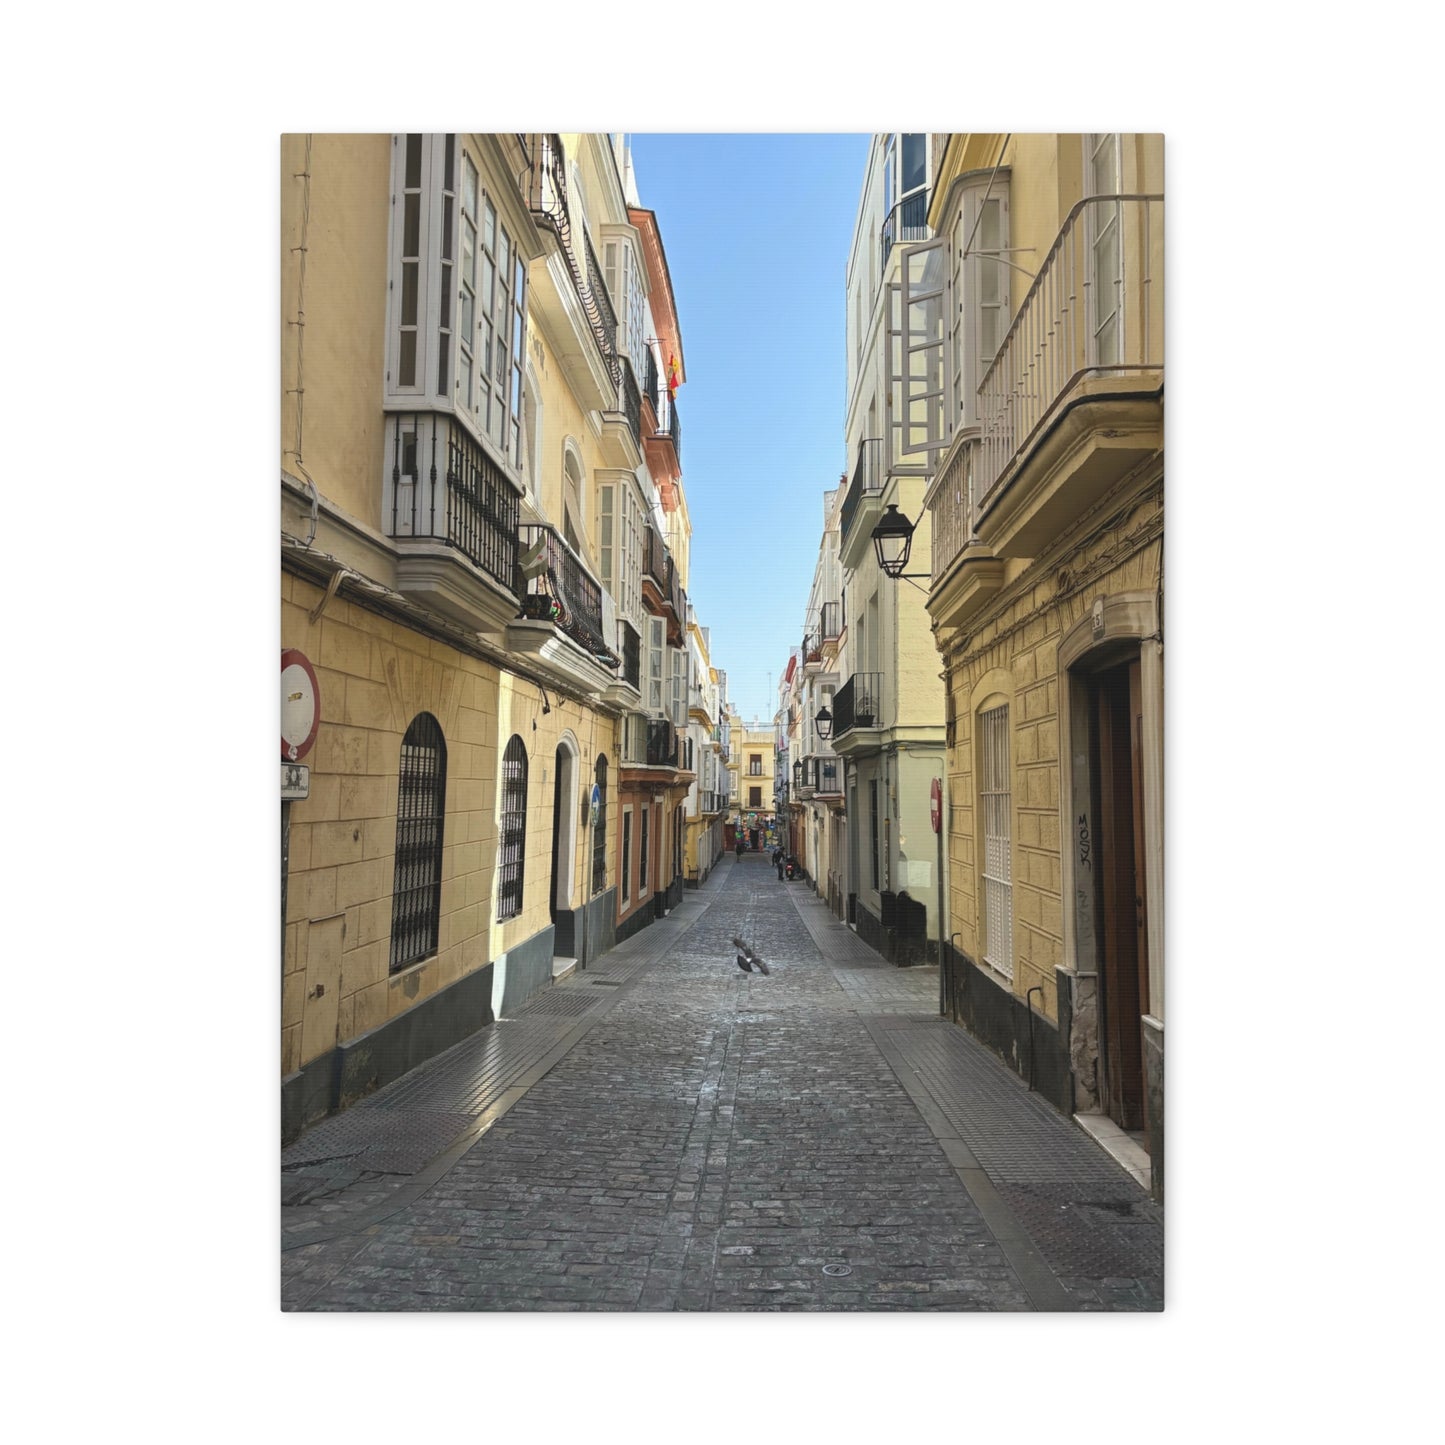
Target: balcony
452,513
1073,402
560,623
966,575
670,428
862,505
662,591
650,742
575,300
907,221
858,714
622,422
631,656
830,623
826,777
663,744
817,776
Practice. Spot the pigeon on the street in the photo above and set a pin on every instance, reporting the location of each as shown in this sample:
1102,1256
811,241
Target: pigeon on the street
748,960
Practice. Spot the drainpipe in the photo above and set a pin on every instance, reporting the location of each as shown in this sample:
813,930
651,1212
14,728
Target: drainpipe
953,983
1028,1002
944,971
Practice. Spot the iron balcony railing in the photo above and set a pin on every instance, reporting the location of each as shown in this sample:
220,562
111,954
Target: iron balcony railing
867,478
951,508
907,221
446,486
631,398
858,703
672,428
564,592
662,749
830,625
548,202
1093,307
655,560
631,655
824,775
672,590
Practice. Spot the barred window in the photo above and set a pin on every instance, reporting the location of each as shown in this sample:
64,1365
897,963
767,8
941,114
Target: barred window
599,829
514,828
416,892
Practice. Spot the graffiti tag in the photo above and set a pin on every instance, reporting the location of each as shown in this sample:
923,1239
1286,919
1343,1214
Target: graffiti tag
1084,842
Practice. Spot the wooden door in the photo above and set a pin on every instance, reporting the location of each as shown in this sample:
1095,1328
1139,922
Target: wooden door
1123,973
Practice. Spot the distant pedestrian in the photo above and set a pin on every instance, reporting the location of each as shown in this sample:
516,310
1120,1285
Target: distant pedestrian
778,861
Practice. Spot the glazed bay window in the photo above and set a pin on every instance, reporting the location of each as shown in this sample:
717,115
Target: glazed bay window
623,271
456,295
654,693
950,316
620,525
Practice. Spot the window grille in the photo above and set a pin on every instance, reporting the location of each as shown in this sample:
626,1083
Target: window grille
626,863
514,828
642,874
599,829
420,815
995,799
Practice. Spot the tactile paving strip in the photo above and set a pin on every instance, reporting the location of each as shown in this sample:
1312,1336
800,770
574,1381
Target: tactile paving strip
1098,1237
1018,1137
563,1002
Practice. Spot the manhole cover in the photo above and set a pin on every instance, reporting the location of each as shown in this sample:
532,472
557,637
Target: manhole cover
836,1270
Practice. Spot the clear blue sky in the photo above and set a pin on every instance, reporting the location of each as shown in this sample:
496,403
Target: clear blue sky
756,230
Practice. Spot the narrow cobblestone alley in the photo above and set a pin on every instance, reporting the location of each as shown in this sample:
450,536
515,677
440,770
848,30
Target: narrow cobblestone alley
666,1132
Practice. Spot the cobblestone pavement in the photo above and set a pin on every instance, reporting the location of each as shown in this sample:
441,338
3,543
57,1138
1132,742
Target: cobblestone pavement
667,1132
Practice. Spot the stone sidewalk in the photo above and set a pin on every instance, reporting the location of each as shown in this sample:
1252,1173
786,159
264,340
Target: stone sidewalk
663,1131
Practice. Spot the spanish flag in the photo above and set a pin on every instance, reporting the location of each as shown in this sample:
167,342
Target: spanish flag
672,374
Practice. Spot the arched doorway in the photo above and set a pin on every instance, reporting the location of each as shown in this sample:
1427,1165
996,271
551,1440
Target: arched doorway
564,848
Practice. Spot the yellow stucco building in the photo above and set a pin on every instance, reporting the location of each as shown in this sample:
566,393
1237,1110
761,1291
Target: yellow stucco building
1038,301
463,498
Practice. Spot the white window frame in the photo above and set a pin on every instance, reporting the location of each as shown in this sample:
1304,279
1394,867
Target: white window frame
654,673
494,409
427,209
1104,222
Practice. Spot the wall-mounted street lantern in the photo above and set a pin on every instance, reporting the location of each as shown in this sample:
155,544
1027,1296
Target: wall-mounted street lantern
893,541
824,723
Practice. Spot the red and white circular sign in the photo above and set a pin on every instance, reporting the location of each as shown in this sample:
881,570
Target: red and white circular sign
300,705
935,804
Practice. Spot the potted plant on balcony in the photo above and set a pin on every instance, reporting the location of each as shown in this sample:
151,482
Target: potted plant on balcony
540,607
